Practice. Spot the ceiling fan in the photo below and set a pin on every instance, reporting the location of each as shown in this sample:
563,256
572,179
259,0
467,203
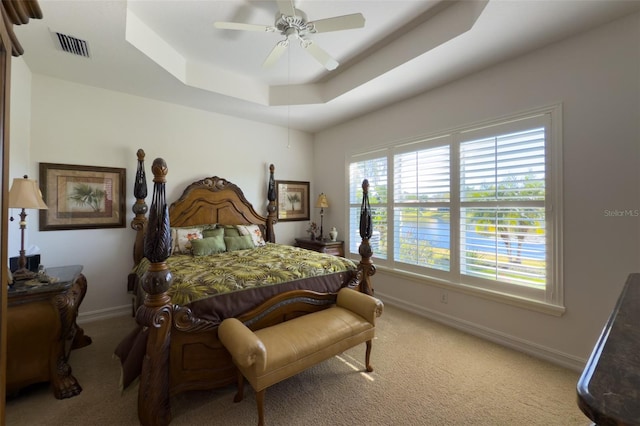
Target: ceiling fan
293,24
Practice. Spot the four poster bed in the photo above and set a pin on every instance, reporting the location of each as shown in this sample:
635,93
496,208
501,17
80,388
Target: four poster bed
181,297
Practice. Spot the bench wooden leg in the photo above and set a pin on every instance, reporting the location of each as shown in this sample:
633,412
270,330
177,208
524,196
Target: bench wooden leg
260,400
367,357
240,393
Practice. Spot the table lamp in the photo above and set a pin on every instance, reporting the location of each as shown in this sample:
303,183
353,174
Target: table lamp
24,194
322,204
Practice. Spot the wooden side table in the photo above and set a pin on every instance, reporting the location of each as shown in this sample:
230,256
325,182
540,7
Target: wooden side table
335,248
42,330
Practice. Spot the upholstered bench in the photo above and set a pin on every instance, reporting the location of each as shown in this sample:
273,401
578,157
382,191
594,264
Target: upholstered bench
275,353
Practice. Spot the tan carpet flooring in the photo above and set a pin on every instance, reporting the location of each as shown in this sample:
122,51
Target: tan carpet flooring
425,374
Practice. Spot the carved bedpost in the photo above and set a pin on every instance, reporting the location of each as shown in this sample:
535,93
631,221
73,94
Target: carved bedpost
139,222
156,313
366,268
272,208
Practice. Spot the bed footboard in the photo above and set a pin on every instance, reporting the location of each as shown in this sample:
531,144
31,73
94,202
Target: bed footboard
198,359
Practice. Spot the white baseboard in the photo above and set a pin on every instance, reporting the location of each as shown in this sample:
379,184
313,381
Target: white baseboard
100,314
556,357
513,342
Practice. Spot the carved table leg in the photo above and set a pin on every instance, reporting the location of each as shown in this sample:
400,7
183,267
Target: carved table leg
71,336
79,290
64,385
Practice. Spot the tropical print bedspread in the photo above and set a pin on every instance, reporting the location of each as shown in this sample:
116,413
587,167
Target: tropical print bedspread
198,277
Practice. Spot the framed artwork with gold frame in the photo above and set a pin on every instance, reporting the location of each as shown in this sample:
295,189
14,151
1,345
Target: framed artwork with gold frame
82,197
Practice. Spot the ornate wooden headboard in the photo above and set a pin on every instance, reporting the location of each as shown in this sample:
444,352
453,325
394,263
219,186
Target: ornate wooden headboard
213,200
206,201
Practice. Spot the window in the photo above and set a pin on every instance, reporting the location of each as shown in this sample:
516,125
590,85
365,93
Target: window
502,214
477,207
421,210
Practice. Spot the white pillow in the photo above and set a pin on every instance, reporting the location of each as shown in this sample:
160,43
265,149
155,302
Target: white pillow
254,232
182,239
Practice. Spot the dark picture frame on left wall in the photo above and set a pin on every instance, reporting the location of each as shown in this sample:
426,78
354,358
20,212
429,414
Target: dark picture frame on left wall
82,197
293,200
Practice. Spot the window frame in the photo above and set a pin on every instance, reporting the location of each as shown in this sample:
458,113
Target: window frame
549,300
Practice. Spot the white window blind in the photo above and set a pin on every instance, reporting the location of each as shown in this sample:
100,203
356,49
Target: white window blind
421,191
422,176
502,215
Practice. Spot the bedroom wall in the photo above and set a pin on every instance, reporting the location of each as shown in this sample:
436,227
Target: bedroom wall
596,77
77,124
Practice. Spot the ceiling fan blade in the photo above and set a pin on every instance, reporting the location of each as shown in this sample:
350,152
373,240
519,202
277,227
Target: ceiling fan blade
275,54
286,7
338,23
320,55
243,27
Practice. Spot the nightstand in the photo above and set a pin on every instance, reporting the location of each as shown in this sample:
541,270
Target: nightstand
335,248
42,330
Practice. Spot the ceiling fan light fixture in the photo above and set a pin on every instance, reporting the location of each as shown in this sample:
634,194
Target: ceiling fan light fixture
297,20
292,22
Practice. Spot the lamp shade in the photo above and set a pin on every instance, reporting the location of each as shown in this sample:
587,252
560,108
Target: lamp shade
25,194
322,201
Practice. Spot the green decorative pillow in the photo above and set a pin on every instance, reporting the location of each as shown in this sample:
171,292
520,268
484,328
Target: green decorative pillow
231,231
238,243
206,233
208,245
255,233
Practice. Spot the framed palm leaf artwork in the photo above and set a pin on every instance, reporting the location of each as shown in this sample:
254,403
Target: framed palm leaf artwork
82,197
293,200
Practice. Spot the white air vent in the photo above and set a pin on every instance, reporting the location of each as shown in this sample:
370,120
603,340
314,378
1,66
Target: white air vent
71,44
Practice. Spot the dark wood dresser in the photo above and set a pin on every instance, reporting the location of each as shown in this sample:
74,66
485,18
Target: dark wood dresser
335,248
42,330
608,387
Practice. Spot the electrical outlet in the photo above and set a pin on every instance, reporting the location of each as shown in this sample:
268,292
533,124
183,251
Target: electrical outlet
444,298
